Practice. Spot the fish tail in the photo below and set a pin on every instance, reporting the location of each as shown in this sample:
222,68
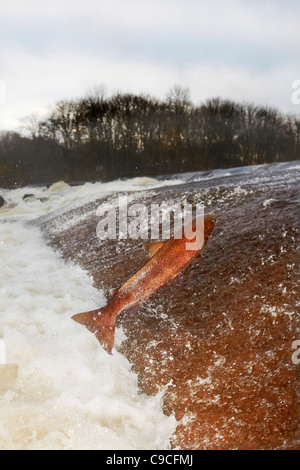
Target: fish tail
102,323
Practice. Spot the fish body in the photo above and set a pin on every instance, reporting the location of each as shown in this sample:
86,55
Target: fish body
169,259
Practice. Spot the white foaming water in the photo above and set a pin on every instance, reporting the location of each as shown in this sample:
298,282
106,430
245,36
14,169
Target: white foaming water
61,196
260,170
58,388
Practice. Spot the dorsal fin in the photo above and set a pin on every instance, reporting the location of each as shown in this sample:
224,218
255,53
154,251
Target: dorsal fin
152,247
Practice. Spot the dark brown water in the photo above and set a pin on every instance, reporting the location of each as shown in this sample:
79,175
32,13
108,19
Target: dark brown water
219,338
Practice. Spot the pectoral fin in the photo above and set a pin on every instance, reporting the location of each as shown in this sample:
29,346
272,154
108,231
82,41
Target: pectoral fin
152,247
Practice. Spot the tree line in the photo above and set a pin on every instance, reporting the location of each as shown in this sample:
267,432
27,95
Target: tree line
125,135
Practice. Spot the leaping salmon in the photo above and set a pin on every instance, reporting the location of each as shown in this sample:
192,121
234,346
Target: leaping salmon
168,259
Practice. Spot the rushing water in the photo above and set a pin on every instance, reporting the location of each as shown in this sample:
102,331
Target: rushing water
57,388
211,353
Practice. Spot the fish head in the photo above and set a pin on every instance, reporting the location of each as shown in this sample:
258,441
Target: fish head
197,231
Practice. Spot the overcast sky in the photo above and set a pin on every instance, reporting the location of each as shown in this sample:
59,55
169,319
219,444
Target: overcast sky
246,50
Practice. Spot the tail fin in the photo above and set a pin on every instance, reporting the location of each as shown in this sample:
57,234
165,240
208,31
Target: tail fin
102,323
